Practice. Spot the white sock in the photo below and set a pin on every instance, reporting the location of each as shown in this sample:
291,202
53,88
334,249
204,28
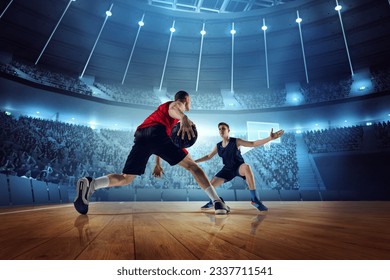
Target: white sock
101,182
212,193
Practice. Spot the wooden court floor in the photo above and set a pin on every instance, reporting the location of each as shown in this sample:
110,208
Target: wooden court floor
180,230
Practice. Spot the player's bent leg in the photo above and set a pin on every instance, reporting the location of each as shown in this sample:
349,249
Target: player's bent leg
189,164
246,170
86,187
117,180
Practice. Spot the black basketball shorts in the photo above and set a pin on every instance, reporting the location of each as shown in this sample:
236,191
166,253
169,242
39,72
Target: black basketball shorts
148,141
229,174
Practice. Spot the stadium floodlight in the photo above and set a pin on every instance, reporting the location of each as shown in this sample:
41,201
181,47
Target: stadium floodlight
233,32
264,28
140,24
172,29
108,14
298,20
52,33
203,32
338,9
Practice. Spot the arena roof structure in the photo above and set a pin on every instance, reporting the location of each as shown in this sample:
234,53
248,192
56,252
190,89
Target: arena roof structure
79,37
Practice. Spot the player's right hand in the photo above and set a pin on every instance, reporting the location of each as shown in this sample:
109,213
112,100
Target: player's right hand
186,128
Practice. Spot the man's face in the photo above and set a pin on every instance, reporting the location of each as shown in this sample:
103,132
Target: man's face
223,130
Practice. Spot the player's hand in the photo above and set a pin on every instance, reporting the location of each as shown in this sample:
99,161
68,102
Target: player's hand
158,171
277,134
186,128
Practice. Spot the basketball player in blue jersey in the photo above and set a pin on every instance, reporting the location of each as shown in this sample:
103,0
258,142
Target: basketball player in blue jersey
234,165
153,137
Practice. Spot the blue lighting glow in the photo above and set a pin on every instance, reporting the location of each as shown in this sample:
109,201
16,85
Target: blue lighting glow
232,31
264,27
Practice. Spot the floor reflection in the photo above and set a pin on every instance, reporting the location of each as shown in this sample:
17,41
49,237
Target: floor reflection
256,221
220,220
82,225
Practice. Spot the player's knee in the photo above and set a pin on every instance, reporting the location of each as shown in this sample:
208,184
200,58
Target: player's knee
193,167
127,179
246,167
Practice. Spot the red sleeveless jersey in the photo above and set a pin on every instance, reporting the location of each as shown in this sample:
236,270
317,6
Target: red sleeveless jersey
160,117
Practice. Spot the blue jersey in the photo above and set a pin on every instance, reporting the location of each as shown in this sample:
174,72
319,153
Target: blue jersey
230,154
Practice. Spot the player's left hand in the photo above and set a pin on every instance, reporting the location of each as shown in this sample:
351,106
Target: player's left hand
158,171
277,134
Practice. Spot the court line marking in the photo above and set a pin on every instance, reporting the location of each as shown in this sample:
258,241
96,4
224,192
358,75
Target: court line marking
38,209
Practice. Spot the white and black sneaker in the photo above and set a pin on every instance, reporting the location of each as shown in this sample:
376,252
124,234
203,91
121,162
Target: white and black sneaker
221,208
83,193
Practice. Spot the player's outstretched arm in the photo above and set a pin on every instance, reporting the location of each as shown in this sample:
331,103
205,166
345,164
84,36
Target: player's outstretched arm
273,135
158,171
209,156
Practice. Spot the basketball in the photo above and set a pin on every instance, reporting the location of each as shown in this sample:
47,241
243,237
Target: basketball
183,143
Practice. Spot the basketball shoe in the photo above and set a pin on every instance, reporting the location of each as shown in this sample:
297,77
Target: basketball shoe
83,193
259,205
207,206
221,208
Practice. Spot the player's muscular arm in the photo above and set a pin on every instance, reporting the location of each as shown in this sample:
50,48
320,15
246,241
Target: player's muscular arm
209,156
273,135
241,142
176,111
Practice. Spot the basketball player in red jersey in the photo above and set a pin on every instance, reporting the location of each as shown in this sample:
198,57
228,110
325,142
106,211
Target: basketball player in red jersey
152,137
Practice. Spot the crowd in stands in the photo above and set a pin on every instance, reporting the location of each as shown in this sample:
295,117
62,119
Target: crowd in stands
382,134
316,92
261,99
277,165
8,69
61,80
334,139
126,94
381,79
202,100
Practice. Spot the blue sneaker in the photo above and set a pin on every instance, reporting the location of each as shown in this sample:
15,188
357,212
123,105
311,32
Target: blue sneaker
259,205
83,192
207,206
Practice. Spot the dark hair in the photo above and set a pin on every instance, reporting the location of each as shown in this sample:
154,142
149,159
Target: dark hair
181,95
223,123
